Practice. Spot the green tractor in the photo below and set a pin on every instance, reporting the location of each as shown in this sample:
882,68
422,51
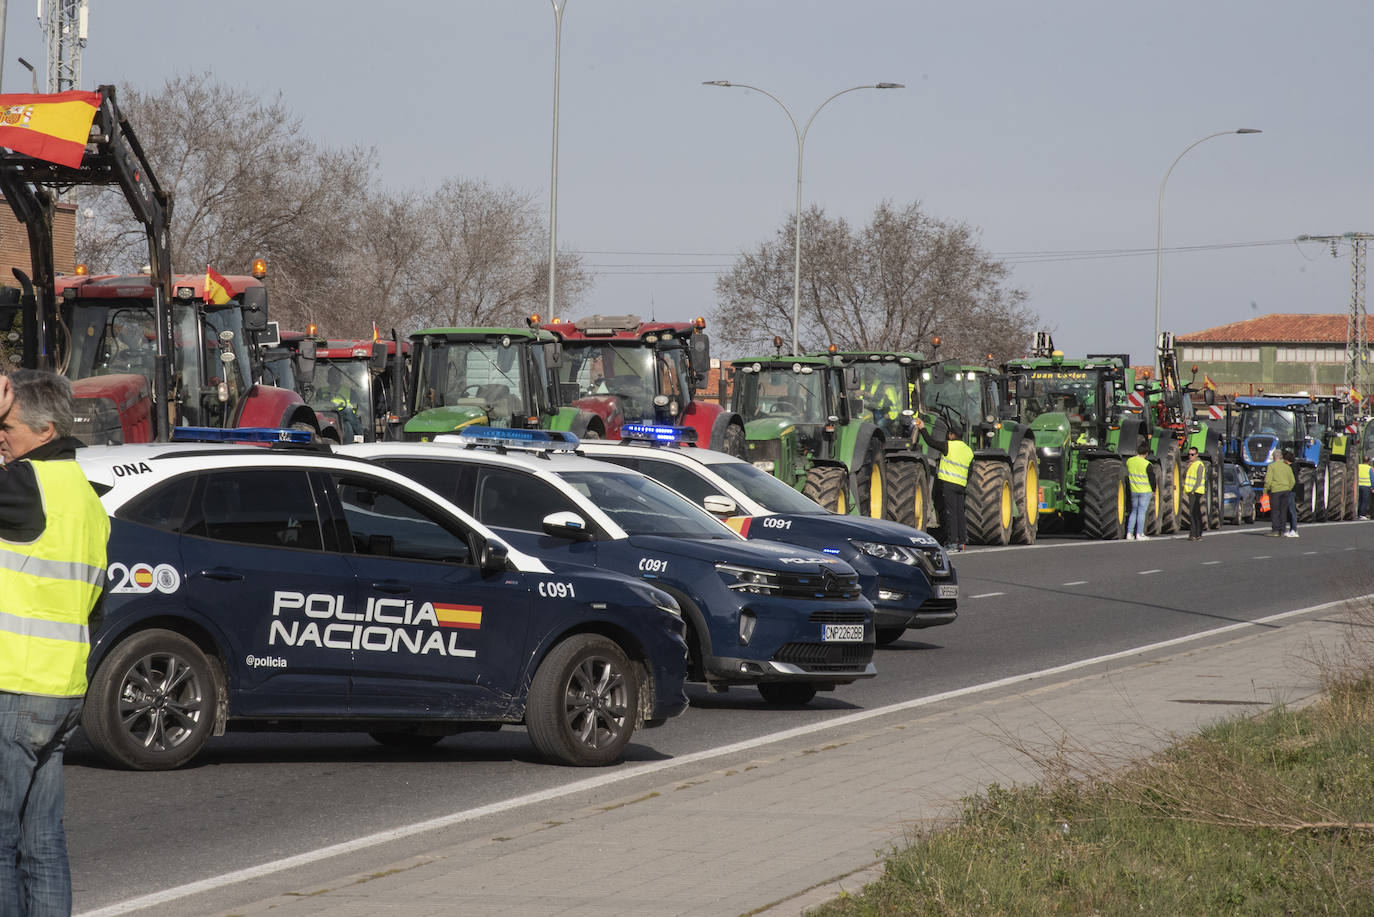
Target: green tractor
1085,427
499,377
802,423
1337,434
1178,428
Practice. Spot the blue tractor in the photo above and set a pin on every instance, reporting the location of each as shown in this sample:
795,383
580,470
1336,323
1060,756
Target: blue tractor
1259,428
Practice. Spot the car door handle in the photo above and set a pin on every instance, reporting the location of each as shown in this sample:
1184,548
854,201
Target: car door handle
223,574
392,586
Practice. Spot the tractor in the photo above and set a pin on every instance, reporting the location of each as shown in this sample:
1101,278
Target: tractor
626,370
498,377
803,424
1260,427
1178,429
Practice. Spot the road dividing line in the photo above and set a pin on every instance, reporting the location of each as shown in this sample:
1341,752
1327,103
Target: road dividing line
1210,563
629,772
1147,572
986,595
1077,582
1308,552
1262,557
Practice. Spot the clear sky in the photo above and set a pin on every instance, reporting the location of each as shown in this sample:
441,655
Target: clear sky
1049,126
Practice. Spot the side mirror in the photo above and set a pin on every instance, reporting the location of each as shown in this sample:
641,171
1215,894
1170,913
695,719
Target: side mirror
307,358
566,524
699,354
852,378
255,309
378,361
717,505
553,354
491,557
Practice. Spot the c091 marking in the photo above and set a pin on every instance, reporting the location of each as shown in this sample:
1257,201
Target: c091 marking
554,590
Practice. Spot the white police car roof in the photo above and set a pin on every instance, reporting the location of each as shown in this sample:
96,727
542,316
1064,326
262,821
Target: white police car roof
124,472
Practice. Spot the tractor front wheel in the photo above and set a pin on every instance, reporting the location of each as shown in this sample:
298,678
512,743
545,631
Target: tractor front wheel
872,482
1025,484
1335,503
989,502
908,494
1104,499
1167,494
828,485
1307,486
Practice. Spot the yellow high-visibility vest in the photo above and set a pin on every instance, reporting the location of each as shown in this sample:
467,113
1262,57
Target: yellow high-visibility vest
1138,471
50,585
955,463
1195,481
1365,479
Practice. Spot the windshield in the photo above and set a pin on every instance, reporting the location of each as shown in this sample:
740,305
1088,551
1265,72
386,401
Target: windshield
345,386
235,372
118,336
766,490
1047,391
599,368
782,393
883,392
479,373
1275,422
642,506
279,369
958,391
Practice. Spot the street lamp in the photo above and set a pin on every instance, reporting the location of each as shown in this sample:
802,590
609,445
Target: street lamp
558,8
801,144
1159,220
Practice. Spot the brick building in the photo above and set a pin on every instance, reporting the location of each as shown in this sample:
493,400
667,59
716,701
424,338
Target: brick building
1284,352
14,242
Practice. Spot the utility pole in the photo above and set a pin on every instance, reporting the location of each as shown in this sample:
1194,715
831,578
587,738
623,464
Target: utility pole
1356,334
64,26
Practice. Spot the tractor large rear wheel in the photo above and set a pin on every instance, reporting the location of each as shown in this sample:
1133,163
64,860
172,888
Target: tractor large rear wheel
988,502
1307,487
1167,492
1104,499
1214,496
872,482
828,485
732,443
908,494
1025,485
1335,498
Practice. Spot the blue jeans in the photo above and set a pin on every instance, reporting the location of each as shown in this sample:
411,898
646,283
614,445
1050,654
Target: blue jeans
1293,513
1140,513
34,878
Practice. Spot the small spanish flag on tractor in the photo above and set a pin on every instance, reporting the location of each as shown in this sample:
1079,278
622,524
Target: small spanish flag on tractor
468,617
376,335
52,127
217,289
1207,383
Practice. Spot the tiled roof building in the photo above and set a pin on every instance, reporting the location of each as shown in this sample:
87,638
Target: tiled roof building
1284,352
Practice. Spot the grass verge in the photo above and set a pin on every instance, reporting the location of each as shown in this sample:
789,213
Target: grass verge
1270,815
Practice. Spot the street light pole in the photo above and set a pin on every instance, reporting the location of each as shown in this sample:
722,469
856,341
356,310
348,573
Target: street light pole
558,8
1159,220
801,145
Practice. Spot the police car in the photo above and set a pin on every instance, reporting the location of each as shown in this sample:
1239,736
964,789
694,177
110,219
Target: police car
788,620
903,571
273,589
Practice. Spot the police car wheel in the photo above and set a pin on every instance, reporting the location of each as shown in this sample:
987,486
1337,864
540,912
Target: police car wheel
787,693
404,739
152,702
583,702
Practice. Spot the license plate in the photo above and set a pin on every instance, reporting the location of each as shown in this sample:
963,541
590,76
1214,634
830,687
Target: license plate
948,592
842,633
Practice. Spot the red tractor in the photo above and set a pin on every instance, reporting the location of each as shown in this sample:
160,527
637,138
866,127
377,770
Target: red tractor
626,370
356,384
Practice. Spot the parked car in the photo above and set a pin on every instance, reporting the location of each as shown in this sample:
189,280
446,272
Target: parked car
1239,502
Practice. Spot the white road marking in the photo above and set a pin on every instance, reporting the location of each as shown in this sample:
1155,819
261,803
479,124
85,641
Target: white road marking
1262,557
1144,572
628,773
1210,563
1077,582
986,595
1309,552
1049,546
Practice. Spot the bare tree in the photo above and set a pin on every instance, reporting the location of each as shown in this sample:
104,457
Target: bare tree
891,286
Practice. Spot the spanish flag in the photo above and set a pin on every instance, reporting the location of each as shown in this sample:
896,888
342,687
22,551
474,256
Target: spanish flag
217,290
1207,383
53,127
467,617
376,335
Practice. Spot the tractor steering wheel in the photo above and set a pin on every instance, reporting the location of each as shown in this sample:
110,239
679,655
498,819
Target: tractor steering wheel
783,407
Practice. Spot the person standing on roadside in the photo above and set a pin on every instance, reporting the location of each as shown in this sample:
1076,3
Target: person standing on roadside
1299,493
53,533
1141,475
1195,486
955,462
1278,484
1366,484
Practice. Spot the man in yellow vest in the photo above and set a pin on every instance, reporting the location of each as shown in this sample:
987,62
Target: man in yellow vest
1195,487
956,459
1141,475
1366,485
53,532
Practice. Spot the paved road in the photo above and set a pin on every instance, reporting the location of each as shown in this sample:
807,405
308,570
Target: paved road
255,798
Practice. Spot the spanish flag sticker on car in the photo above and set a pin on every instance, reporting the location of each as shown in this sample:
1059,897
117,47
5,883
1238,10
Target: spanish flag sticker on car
468,617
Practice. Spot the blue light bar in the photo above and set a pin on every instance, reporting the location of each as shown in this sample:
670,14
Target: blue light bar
507,438
657,433
240,435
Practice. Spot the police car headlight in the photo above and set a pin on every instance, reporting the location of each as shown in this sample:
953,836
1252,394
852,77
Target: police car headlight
747,579
657,598
898,552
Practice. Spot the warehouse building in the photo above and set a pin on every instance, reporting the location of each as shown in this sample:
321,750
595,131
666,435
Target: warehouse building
1285,352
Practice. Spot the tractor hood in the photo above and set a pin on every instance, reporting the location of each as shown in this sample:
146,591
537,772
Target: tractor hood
450,417
765,555
768,428
1260,449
